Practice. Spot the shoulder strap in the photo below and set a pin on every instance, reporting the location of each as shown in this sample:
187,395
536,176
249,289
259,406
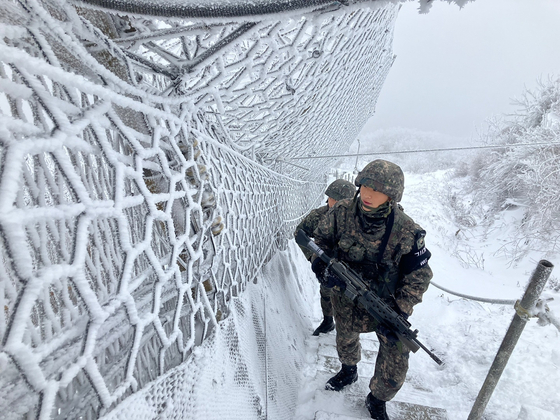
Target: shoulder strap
388,230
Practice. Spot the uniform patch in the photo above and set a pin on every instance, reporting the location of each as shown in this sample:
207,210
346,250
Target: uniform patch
420,242
418,257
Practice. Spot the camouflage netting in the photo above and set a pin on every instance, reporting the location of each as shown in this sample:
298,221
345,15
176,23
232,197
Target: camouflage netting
144,183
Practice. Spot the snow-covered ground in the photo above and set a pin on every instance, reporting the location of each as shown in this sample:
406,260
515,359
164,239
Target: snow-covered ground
465,333
263,362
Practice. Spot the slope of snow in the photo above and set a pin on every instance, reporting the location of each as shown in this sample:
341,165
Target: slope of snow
249,368
263,362
466,333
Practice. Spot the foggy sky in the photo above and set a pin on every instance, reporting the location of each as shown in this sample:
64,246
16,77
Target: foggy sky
457,67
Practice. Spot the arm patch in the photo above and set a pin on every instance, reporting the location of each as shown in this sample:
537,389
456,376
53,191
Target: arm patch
418,257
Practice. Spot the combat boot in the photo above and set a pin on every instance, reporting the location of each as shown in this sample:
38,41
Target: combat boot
326,326
347,375
376,408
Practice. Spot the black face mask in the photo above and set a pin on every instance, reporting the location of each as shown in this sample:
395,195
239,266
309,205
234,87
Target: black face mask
380,212
371,221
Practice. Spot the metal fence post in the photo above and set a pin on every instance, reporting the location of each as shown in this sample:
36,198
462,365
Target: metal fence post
536,284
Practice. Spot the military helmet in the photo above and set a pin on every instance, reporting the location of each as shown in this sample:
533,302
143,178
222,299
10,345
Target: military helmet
383,176
340,189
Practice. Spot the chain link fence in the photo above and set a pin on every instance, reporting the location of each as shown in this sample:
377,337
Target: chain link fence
144,181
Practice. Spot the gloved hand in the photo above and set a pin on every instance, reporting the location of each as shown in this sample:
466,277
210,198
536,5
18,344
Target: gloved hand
330,280
325,276
318,266
387,333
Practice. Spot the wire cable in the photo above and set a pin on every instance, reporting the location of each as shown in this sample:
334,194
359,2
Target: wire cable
546,317
393,152
478,299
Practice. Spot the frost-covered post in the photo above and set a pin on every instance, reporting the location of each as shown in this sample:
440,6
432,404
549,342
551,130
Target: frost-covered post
536,285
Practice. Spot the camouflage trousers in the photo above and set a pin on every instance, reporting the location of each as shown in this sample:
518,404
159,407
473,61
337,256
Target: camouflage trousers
326,305
391,364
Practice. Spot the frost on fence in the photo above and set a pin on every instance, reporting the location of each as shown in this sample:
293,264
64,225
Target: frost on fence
144,180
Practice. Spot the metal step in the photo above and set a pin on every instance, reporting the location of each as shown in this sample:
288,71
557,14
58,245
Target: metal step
349,404
397,410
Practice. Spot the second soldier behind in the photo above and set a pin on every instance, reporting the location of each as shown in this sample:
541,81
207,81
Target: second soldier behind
337,190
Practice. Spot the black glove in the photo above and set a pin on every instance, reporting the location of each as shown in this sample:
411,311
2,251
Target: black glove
318,266
325,276
330,280
387,333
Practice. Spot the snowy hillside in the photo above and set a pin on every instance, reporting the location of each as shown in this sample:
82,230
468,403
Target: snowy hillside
466,334
491,215
469,260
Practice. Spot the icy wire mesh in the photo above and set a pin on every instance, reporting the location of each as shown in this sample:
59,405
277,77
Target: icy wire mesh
273,78
145,181
245,370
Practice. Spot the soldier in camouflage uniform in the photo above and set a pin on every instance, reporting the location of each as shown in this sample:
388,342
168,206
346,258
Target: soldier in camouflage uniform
374,236
337,190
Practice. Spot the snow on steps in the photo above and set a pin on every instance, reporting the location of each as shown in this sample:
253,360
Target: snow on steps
396,410
411,403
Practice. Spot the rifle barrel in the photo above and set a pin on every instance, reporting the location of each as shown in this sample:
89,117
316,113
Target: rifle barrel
356,289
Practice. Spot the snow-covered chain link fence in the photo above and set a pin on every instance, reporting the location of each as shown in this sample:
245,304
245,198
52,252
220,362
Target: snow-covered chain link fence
143,181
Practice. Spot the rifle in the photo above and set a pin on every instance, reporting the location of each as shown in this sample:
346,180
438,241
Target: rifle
357,290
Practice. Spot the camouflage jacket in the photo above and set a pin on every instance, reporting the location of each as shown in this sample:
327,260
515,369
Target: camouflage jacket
309,224
401,275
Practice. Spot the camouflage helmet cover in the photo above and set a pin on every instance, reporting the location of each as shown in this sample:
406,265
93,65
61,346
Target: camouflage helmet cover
383,176
340,189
